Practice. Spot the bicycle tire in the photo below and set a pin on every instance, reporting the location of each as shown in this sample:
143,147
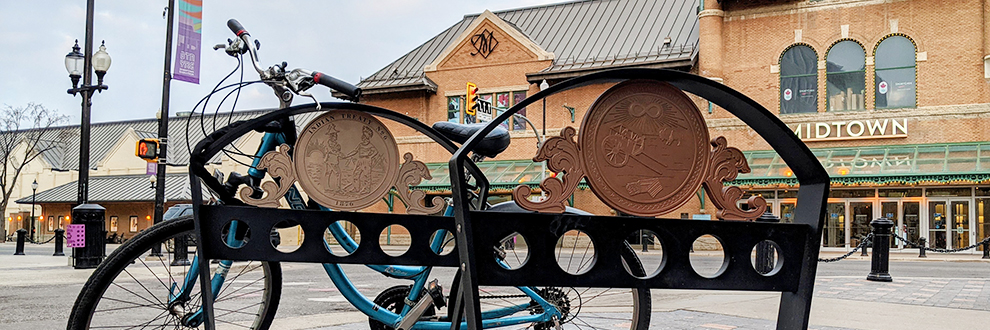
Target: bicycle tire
88,303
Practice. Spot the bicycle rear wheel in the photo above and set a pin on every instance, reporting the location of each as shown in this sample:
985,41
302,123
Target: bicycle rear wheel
582,308
132,289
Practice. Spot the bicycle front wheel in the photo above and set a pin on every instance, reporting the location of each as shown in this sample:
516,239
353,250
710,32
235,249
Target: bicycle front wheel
132,289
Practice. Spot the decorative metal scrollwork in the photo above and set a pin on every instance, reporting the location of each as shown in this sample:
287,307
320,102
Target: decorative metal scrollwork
726,163
411,173
561,154
279,165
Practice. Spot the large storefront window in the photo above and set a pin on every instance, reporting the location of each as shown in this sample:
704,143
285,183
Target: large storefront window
518,125
895,73
454,108
799,80
845,76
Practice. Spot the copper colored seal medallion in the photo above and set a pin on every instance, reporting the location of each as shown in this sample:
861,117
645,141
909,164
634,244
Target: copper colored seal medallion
346,160
645,147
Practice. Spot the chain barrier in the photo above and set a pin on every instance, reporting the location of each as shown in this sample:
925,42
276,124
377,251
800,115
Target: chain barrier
45,242
937,250
861,245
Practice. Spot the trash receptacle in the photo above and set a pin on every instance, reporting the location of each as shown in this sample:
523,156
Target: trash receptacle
93,217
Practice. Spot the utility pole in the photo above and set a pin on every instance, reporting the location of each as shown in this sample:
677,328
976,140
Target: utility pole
163,123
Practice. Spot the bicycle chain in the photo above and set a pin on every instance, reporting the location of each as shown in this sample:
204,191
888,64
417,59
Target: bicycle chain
862,243
937,250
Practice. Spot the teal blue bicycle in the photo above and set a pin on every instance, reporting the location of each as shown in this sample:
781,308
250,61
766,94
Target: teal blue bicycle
134,289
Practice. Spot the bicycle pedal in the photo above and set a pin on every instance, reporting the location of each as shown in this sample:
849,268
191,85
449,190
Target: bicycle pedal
436,292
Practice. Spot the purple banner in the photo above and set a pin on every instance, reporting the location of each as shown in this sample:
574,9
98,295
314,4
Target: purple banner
187,50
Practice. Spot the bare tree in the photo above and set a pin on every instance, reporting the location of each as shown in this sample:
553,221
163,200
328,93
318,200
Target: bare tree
29,125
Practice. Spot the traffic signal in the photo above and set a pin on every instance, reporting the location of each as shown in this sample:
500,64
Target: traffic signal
147,149
472,99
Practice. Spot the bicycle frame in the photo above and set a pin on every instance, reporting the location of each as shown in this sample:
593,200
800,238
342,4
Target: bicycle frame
418,274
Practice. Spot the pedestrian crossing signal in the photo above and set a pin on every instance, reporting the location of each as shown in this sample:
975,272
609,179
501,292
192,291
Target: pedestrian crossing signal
147,149
472,99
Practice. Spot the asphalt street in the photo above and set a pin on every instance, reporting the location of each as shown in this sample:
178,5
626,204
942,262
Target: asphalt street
37,291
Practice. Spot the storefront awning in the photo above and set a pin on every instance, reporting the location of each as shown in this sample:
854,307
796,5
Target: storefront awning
949,163
922,164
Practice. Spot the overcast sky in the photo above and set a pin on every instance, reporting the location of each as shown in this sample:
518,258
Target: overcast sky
346,39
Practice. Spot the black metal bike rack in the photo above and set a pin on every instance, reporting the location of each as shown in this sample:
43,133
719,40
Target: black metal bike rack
799,242
477,231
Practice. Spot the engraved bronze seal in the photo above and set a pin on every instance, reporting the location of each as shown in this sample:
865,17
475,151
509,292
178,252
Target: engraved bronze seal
346,160
644,147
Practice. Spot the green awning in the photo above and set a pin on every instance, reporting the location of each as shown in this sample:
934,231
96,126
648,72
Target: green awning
501,174
960,163
947,163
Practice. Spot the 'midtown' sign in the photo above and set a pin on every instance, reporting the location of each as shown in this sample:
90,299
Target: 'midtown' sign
854,129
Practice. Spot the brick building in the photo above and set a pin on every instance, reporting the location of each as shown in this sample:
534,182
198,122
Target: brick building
892,95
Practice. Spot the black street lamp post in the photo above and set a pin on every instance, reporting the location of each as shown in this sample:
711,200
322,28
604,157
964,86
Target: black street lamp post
91,215
34,191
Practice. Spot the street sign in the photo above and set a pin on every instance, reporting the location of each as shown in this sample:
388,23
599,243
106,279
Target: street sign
75,235
485,110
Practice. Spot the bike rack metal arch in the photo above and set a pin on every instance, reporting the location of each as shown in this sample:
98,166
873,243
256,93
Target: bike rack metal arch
799,241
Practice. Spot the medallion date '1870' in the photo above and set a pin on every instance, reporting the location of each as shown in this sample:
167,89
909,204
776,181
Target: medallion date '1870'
346,160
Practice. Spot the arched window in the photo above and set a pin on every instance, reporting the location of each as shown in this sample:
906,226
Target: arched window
845,76
799,80
895,73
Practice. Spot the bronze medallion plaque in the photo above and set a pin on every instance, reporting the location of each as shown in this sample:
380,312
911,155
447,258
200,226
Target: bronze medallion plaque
645,147
346,160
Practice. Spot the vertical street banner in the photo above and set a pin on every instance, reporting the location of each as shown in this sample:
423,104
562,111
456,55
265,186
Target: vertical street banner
190,18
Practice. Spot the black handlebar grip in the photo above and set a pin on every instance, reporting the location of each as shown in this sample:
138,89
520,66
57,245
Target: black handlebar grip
236,27
339,85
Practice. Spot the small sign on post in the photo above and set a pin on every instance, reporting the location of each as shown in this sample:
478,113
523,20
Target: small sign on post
485,111
75,236
152,168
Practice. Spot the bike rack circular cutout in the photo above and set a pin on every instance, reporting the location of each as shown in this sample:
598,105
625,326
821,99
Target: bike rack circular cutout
394,240
708,258
648,251
766,258
445,244
287,236
350,238
242,234
575,252
512,251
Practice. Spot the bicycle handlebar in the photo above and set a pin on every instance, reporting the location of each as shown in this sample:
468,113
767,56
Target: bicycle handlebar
337,84
250,45
236,27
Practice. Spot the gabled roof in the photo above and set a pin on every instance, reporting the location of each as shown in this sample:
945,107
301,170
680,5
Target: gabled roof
583,36
62,143
117,188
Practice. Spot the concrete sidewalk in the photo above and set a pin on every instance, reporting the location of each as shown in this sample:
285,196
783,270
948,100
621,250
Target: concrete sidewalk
841,302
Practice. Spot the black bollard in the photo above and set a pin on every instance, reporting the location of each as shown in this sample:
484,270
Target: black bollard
986,250
59,242
765,261
93,217
921,248
19,250
865,245
180,248
881,250
643,238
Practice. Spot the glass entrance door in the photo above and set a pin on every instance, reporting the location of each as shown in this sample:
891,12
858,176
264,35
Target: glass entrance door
959,226
911,225
834,234
889,210
937,215
859,227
